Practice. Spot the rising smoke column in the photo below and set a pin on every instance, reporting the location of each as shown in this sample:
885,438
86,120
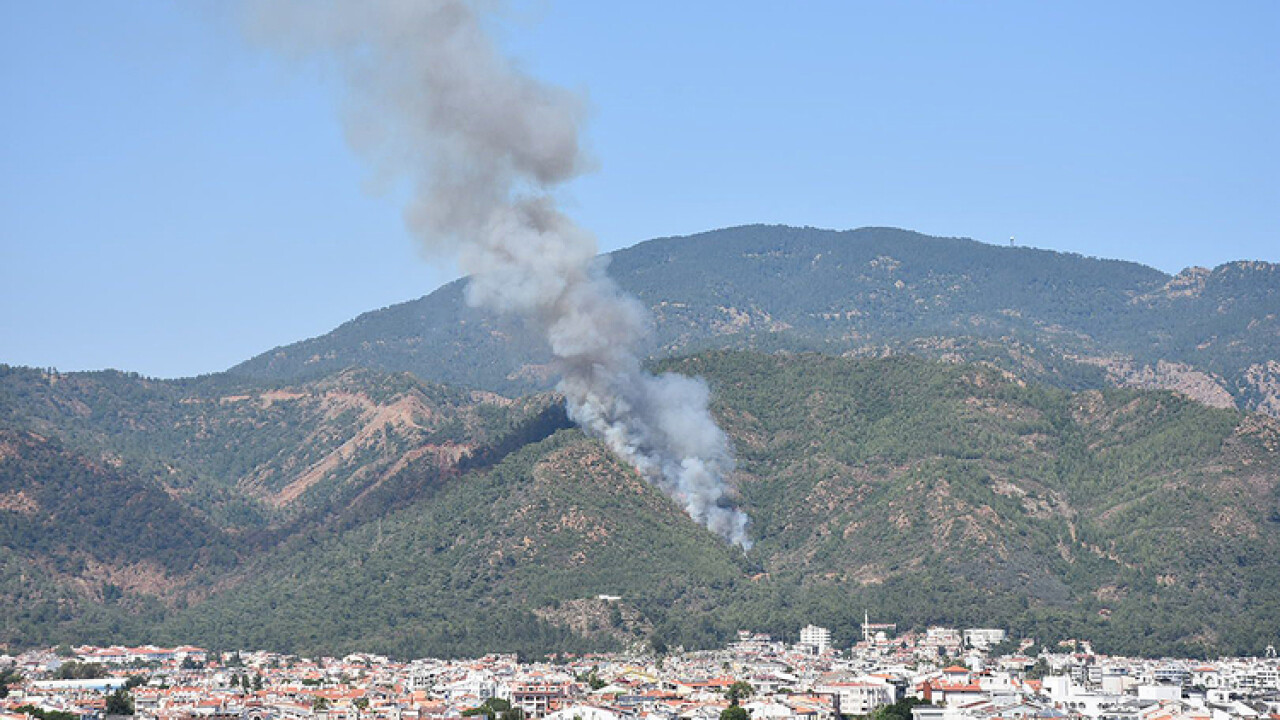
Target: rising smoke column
484,145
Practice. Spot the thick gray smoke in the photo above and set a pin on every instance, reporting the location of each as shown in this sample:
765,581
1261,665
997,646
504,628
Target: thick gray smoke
484,146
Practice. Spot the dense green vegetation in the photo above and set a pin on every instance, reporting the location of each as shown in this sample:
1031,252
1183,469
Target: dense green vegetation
937,493
923,492
76,533
123,498
1034,312
303,506
67,506
80,671
231,447
119,702
458,572
8,676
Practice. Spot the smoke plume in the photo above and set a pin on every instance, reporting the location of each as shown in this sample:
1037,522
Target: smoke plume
484,145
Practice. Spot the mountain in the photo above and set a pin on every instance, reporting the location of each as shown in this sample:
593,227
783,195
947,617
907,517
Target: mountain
1056,318
254,455
955,491
925,491
475,565
935,430
87,544
124,498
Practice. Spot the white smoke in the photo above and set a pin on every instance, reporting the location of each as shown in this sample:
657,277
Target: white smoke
483,146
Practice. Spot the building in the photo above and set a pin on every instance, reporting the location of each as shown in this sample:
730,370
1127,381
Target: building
983,638
538,699
859,697
819,638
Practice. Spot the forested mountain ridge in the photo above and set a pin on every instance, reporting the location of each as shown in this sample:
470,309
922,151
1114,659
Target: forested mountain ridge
253,454
926,491
124,498
86,542
927,427
1055,318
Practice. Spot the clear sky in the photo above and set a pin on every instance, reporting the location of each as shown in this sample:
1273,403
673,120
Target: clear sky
173,200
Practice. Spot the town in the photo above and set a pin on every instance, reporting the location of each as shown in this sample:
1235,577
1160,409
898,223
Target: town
938,674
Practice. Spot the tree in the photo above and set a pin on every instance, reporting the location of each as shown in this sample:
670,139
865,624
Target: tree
39,714
592,680
734,712
739,690
80,671
134,681
8,676
900,710
119,703
658,643
1008,646
1039,670
491,708
319,704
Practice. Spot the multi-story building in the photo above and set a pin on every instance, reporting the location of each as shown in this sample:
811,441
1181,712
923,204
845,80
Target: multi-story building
818,638
859,697
983,638
537,700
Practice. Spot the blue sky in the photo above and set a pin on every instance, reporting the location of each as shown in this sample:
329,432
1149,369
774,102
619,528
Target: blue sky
173,200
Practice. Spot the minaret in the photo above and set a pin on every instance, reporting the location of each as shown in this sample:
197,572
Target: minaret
866,627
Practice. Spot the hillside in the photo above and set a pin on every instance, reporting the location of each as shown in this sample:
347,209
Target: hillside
463,569
927,492
252,455
1119,514
91,549
124,498
1055,318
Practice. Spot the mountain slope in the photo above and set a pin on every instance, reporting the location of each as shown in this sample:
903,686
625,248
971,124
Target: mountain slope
87,549
1116,512
251,455
927,492
461,569
1052,317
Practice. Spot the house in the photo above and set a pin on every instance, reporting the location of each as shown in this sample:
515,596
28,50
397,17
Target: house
537,700
859,697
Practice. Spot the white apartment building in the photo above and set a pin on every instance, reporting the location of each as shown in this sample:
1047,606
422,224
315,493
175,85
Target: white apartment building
816,637
983,638
861,696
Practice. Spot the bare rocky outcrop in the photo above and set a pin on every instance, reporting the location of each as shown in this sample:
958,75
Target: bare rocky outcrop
1263,380
1201,386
